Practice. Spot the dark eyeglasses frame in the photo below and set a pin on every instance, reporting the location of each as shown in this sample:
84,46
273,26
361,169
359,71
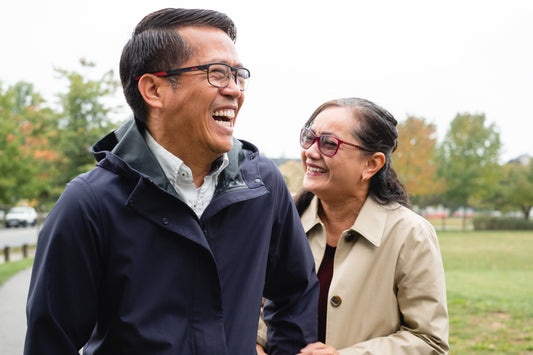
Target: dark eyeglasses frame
319,139
199,67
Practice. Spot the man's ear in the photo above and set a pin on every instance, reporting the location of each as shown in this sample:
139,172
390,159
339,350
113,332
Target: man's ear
373,164
150,89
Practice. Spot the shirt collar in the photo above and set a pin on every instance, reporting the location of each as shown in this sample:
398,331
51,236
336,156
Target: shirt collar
172,165
370,223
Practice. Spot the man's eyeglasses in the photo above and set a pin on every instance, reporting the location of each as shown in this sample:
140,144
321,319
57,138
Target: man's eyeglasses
218,74
327,145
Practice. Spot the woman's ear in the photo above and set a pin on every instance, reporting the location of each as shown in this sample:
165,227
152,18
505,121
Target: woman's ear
150,89
373,164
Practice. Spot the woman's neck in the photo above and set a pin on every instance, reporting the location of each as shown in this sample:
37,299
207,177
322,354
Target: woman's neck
338,217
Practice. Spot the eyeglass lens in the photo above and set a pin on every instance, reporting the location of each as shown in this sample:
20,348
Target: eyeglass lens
328,145
219,75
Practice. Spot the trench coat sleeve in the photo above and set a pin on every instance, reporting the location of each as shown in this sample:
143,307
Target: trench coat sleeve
63,299
421,295
291,286
262,330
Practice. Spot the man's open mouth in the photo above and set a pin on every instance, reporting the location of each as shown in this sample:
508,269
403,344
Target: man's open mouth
224,117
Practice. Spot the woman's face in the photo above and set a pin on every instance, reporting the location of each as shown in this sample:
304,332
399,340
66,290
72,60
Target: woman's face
339,176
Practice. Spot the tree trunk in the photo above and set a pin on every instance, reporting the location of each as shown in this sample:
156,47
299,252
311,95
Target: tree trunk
526,210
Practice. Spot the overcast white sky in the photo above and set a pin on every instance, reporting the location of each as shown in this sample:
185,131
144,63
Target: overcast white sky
431,59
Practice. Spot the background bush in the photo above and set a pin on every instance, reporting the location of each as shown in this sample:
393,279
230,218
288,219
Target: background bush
501,223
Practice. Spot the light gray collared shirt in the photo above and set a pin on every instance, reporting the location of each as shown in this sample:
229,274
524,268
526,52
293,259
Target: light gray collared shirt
180,176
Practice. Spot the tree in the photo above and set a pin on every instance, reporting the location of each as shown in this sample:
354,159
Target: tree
293,174
26,155
517,188
469,160
414,160
41,149
85,118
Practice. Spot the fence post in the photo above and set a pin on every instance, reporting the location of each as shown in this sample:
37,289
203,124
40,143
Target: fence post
25,251
6,254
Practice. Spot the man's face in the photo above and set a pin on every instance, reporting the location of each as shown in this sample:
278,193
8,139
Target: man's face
198,117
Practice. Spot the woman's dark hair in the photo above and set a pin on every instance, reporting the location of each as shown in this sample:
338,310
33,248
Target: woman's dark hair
155,46
376,131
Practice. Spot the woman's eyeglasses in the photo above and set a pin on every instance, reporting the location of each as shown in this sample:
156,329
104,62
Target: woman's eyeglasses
327,145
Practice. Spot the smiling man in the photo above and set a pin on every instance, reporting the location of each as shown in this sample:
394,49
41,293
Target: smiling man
168,245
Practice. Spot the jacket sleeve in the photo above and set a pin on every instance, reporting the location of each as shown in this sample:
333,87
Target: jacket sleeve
291,287
63,300
421,295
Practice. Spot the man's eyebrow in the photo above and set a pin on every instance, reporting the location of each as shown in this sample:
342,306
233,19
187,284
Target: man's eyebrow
220,60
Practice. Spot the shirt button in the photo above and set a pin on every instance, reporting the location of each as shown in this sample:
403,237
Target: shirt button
165,220
336,301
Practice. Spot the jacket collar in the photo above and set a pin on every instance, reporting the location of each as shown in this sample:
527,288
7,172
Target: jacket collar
129,145
370,223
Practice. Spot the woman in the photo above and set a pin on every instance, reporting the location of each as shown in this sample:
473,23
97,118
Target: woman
382,287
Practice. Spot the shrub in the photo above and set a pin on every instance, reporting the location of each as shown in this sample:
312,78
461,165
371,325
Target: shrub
501,223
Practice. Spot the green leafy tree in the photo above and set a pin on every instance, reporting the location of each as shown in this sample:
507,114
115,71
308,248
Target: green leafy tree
26,157
85,117
42,148
516,188
469,160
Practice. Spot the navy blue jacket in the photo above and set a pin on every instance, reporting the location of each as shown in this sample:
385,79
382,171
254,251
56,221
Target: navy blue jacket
123,266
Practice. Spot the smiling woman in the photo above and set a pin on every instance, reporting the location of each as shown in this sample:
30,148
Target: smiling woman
382,287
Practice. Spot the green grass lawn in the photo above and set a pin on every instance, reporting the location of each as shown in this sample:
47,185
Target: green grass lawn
489,279
11,268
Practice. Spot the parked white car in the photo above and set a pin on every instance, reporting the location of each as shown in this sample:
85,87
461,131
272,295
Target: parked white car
21,216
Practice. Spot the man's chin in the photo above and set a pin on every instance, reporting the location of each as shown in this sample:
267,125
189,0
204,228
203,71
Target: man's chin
225,147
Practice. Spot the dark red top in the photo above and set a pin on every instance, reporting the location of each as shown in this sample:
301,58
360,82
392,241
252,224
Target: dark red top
325,273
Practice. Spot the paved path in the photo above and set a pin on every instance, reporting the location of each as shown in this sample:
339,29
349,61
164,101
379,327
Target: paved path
13,294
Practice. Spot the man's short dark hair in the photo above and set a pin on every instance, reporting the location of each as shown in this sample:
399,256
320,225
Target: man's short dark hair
155,45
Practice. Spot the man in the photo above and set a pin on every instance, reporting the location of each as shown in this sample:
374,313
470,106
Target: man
168,245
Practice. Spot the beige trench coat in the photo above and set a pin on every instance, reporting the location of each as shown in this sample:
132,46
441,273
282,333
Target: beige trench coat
387,294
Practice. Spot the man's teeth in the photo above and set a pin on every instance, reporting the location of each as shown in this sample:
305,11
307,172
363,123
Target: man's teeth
225,113
224,117
316,170
224,123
